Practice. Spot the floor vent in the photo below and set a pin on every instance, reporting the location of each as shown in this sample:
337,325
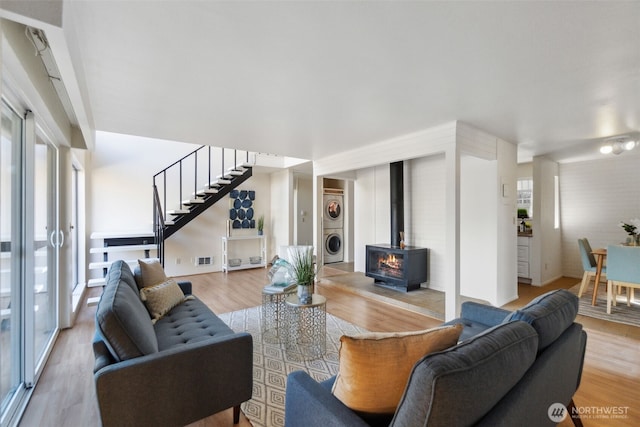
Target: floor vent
204,260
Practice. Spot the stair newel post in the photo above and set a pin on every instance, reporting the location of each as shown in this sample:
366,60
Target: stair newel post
158,222
195,174
163,212
180,191
155,210
164,194
209,168
235,159
222,166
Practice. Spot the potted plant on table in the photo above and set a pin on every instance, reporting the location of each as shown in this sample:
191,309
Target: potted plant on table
631,228
303,267
260,225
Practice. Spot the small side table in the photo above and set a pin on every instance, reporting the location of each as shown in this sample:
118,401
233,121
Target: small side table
307,328
272,319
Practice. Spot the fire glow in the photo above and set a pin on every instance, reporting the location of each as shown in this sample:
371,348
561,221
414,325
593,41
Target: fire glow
390,262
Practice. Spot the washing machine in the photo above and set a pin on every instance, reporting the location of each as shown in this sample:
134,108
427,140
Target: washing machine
333,245
333,214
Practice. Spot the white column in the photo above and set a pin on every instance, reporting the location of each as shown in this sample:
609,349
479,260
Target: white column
452,235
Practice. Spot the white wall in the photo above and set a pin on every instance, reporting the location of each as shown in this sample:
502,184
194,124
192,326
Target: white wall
349,222
303,209
280,227
545,252
371,211
507,278
478,228
595,196
428,214
121,188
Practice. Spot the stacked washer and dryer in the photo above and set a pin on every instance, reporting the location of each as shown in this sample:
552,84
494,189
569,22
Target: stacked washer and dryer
333,225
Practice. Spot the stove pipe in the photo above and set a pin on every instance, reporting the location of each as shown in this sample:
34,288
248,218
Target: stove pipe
397,201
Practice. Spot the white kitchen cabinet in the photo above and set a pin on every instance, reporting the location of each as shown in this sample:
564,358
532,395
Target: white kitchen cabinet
523,257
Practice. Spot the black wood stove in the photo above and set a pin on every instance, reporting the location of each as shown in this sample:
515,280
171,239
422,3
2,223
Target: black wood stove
394,265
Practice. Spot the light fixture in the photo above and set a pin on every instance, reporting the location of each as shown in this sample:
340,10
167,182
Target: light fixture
618,144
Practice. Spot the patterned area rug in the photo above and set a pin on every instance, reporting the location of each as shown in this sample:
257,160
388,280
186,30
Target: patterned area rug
271,365
620,313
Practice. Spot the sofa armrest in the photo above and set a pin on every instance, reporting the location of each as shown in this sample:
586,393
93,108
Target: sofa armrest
476,318
186,287
179,385
310,404
102,355
482,313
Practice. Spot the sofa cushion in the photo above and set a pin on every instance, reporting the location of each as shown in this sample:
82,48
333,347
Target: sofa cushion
550,315
189,322
151,272
123,321
161,298
120,270
374,367
459,385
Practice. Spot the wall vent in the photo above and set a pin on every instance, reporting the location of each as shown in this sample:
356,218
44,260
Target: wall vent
204,260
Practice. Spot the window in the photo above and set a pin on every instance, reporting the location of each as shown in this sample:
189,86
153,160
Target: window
525,195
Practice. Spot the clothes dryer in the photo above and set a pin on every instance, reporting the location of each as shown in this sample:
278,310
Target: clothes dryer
333,214
333,246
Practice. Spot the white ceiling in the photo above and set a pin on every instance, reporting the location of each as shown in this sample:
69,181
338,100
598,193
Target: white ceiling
309,79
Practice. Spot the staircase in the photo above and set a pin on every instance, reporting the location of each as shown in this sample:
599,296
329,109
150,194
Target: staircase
191,185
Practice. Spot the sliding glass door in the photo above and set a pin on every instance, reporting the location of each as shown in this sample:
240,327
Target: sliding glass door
10,265
47,238
29,239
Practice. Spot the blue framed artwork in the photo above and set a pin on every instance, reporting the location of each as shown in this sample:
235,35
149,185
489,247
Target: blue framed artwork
241,208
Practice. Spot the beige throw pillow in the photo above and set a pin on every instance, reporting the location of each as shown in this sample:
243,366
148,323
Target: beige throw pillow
375,367
161,298
152,272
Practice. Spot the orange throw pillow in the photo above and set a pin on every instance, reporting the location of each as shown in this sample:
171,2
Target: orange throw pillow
375,367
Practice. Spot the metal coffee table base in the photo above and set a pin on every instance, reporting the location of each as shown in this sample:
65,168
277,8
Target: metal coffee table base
272,325
307,328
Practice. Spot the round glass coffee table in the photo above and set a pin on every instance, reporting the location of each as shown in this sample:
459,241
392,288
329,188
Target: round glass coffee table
307,328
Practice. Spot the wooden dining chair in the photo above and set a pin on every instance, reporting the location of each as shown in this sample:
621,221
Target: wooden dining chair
588,264
623,269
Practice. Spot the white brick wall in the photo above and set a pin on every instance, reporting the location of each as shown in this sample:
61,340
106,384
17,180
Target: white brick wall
428,219
594,197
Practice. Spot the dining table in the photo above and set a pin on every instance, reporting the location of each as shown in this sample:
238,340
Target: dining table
601,255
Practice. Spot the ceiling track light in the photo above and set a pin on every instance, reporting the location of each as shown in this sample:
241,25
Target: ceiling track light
617,145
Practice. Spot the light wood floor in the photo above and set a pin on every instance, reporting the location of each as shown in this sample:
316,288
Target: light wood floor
65,394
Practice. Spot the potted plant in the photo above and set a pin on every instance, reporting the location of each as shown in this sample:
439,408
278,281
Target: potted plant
303,268
260,225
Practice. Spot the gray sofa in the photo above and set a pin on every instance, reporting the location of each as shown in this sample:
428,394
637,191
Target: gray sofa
187,366
507,370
